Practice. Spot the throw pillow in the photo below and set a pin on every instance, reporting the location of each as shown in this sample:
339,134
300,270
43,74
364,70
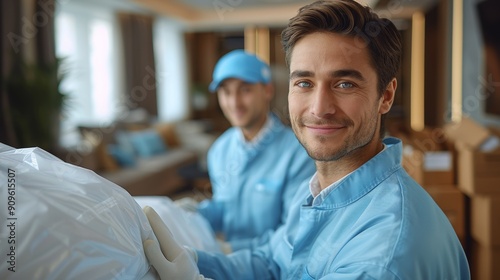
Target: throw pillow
147,143
123,157
168,134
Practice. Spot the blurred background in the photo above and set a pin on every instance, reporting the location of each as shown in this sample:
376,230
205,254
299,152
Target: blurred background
117,56
90,80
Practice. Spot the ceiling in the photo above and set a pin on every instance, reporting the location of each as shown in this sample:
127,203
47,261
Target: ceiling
227,14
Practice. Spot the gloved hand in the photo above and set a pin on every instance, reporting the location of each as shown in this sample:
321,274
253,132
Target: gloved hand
187,204
171,260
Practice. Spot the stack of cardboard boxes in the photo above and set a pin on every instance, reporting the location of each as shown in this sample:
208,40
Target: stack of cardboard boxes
429,158
478,170
459,166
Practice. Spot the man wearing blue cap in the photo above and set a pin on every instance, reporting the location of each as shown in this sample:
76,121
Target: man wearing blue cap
256,166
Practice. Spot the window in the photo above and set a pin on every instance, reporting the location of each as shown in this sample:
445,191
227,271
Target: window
85,38
88,37
171,70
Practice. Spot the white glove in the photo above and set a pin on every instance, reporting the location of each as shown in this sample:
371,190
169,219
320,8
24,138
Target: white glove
187,204
171,260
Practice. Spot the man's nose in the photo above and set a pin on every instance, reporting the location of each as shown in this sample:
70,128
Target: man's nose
323,102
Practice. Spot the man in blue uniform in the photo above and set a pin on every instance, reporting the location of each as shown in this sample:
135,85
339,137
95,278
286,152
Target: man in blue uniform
254,166
361,216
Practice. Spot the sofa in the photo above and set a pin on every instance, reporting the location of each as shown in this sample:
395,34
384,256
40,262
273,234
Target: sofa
160,158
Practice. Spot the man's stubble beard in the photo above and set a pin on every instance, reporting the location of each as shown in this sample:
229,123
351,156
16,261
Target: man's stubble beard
350,145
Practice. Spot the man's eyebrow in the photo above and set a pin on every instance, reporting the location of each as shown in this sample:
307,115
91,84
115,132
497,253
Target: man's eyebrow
335,74
348,73
300,74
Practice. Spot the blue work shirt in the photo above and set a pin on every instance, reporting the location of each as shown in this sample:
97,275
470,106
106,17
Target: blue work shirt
376,223
253,183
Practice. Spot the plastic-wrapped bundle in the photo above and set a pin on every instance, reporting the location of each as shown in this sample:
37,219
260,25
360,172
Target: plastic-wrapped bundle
189,228
59,221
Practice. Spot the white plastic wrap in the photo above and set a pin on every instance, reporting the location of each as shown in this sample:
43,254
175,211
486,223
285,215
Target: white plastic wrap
59,221
188,228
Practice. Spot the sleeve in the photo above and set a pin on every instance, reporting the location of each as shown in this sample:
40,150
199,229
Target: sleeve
259,263
212,211
362,271
242,264
251,243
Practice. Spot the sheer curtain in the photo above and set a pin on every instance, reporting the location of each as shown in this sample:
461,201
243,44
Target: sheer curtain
86,38
171,70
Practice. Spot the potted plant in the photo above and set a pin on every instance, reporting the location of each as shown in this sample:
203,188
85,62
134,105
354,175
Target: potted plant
35,103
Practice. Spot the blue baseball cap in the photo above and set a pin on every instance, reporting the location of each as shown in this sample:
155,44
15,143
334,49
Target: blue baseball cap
240,65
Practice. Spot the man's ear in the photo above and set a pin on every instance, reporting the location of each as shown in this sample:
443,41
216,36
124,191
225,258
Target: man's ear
388,97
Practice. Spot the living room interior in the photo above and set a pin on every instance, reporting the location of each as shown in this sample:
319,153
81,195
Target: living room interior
121,88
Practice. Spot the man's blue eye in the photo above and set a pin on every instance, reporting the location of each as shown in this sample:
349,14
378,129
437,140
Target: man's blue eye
345,85
304,84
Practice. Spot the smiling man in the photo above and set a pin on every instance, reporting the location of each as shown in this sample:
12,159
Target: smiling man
335,105
361,216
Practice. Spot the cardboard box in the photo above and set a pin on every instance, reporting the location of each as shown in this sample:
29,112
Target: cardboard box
478,172
484,262
429,139
485,220
468,132
452,201
478,159
429,168
427,159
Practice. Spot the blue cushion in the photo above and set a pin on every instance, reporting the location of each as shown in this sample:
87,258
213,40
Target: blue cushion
122,138
147,143
122,156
